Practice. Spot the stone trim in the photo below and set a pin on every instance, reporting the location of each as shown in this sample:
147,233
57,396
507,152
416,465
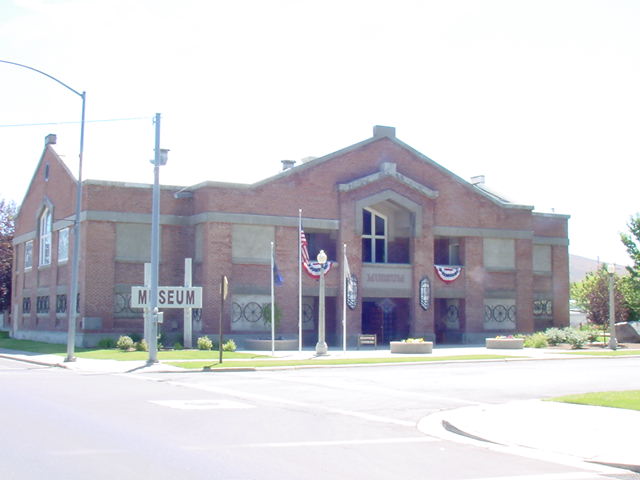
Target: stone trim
557,241
388,169
211,217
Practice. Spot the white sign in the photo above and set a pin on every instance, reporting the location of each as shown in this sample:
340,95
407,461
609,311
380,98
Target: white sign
168,297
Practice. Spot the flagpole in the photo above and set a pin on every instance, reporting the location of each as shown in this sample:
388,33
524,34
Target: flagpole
273,326
299,280
344,297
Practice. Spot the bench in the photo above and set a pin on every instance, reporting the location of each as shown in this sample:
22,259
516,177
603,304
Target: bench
368,339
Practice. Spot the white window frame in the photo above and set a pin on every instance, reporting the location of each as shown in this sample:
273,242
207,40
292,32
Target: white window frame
28,255
63,245
373,236
45,237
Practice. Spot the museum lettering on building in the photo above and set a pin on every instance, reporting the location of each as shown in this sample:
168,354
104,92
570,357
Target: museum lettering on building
429,254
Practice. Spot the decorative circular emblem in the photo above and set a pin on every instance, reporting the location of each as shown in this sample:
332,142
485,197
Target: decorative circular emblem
252,312
425,293
236,312
352,292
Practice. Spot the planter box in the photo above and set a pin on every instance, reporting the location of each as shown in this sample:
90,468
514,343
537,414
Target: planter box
505,343
403,347
265,345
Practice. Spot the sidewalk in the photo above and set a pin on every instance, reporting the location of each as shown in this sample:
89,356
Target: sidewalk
595,434
113,366
600,435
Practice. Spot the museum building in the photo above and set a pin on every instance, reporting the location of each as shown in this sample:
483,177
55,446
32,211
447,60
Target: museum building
429,254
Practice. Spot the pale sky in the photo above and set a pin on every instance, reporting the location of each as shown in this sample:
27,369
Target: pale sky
541,97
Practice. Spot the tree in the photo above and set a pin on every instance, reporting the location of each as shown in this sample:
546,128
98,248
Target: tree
630,288
7,229
631,241
631,284
592,295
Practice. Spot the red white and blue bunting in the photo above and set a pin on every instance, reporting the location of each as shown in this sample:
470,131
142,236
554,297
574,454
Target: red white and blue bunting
448,273
313,269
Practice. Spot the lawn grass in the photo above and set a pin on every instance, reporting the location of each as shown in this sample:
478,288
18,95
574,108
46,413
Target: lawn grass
629,399
204,355
35,347
329,361
615,353
114,354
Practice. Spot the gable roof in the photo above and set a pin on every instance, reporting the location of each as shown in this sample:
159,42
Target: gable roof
383,132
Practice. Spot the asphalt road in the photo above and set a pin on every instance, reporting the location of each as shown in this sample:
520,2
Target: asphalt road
347,423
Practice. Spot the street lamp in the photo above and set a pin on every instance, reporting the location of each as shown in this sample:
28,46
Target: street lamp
321,346
613,343
160,158
75,259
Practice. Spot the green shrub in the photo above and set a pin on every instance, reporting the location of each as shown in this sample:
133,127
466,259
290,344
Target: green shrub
205,343
229,346
107,343
537,340
592,332
266,315
555,336
141,346
576,338
124,343
177,346
4,334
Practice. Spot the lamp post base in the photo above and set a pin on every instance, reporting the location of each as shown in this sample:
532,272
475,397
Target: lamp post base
321,348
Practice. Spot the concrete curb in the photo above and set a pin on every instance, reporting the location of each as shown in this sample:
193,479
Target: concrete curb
523,428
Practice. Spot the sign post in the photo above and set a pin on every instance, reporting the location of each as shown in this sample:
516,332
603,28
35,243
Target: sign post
188,317
224,289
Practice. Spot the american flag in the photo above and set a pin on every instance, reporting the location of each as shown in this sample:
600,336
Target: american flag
304,248
311,268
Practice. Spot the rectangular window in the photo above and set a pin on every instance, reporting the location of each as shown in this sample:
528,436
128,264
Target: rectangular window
61,303
500,253
26,305
374,237
63,245
447,251
45,237
250,244
542,258
28,255
42,304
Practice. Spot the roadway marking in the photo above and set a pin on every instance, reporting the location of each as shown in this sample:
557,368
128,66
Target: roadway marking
86,451
341,443
394,392
293,403
325,443
201,404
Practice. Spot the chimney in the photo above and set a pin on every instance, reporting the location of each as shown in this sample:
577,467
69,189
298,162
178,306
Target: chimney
50,139
287,164
477,180
380,131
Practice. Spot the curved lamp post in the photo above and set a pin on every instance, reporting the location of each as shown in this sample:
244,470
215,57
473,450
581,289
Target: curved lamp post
75,261
321,346
613,342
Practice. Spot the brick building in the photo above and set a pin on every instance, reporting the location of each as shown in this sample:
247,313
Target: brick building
434,256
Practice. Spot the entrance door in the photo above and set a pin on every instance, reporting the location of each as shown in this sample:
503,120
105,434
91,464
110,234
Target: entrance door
372,321
449,320
386,317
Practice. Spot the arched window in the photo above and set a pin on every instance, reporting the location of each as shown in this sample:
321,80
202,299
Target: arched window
45,237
